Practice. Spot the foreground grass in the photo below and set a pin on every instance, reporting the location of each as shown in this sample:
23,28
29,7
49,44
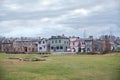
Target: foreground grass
59,67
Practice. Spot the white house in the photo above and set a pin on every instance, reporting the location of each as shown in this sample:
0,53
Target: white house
43,45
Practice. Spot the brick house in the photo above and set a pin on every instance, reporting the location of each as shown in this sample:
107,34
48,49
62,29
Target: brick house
24,46
109,42
7,46
98,46
101,46
1,39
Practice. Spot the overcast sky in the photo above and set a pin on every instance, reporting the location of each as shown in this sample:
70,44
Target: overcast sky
44,18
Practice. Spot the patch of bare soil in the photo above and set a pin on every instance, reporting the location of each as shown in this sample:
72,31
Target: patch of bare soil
28,59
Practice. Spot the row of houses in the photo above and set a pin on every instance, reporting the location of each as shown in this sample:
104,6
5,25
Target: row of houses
60,43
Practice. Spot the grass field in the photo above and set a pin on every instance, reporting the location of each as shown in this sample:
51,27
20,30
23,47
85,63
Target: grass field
60,67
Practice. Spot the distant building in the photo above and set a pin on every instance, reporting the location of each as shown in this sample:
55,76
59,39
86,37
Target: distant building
7,45
88,45
1,39
101,46
82,46
112,46
59,43
24,46
117,42
118,47
109,42
74,44
43,45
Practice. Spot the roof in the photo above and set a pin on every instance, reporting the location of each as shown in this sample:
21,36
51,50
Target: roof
59,37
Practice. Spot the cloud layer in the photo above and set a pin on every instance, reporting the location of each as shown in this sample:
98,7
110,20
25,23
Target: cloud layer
53,17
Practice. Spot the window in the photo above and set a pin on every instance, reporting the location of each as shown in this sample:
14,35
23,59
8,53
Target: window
66,48
55,41
39,42
36,45
40,48
59,41
57,47
73,43
52,41
43,42
83,43
61,47
65,42
52,47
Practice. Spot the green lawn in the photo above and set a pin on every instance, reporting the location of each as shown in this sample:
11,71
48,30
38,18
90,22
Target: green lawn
61,67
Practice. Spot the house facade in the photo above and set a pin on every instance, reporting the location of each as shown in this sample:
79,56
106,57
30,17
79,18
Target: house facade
109,42
112,46
82,45
117,42
24,46
7,46
88,45
101,46
74,44
78,45
59,43
1,39
43,45
98,46
118,47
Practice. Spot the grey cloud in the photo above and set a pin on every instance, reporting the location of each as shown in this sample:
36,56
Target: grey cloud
27,14
30,15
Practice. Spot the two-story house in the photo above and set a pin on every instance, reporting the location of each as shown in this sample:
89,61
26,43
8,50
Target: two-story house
59,43
74,44
43,45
